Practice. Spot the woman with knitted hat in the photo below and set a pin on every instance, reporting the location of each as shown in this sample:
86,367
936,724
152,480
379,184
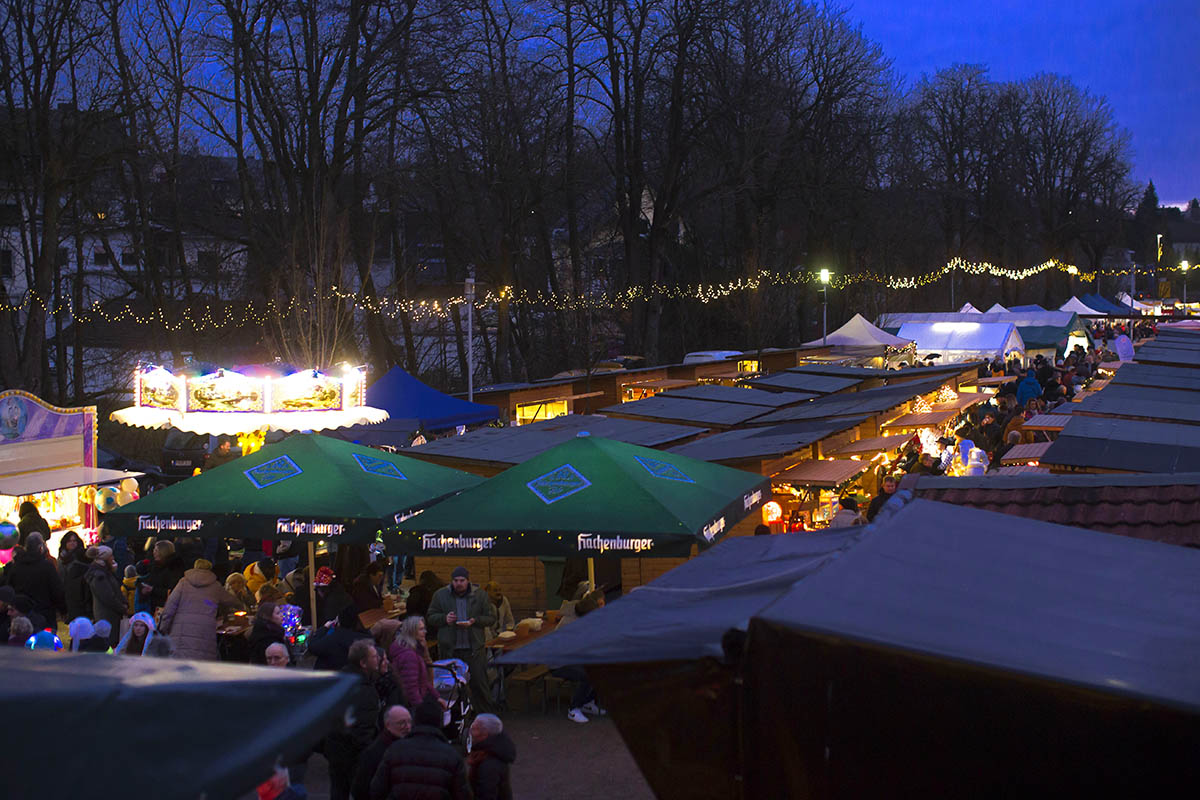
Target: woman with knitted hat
191,613
141,631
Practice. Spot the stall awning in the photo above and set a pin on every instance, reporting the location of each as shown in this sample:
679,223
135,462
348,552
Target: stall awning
1046,422
875,444
823,473
921,420
63,478
1020,453
659,383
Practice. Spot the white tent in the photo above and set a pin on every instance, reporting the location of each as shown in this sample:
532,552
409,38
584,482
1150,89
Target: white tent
1078,306
997,309
858,332
969,309
964,341
1123,299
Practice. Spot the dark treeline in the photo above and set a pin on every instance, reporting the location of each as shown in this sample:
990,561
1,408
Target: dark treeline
574,147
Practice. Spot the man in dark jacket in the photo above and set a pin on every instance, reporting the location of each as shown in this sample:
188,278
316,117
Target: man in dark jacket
75,589
31,522
424,766
459,614
166,571
344,746
108,601
886,490
397,724
331,644
492,754
30,573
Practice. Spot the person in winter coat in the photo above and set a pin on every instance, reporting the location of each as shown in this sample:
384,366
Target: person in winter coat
490,760
70,548
138,637
460,614
108,603
129,586
367,589
266,631
410,663
31,521
332,597
423,765
343,746
32,574
141,600
847,514
98,643
397,724
331,644
122,556
259,573
165,574
75,589
191,613
235,584
1028,388
421,595
504,615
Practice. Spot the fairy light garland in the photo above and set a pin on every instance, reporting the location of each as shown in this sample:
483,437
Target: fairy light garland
239,315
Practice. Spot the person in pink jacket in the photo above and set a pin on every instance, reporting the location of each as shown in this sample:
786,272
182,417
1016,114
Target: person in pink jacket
410,662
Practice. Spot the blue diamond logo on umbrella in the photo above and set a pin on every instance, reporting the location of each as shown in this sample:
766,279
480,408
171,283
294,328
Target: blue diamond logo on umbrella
377,466
661,469
273,471
558,484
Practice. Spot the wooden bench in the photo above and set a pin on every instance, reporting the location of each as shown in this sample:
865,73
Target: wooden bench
529,678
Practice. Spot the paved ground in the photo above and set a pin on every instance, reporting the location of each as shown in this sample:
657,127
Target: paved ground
556,760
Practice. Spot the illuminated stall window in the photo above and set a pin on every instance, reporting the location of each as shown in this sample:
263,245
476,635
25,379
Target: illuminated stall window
534,412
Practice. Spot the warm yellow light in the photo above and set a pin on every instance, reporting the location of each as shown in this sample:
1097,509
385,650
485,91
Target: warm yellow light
1072,270
771,512
1183,265
824,276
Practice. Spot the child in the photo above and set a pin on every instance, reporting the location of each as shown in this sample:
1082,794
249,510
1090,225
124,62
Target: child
142,599
129,586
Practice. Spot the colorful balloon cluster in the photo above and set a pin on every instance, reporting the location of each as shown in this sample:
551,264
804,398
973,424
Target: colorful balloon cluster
108,498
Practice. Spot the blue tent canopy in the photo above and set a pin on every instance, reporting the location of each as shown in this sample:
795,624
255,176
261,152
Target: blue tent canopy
1103,305
413,406
1033,307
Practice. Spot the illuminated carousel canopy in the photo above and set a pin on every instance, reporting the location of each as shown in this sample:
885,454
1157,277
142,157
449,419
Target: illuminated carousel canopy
227,402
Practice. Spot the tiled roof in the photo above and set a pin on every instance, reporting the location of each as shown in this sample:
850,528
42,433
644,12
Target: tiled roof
1161,508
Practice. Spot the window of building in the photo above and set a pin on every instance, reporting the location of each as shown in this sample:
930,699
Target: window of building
6,262
533,412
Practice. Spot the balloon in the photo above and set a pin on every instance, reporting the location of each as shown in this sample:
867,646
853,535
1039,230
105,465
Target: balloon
106,499
125,498
129,485
88,494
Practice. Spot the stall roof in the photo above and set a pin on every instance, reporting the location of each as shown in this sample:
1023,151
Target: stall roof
1155,353
859,332
1157,507
1102,304
1134,374
1141,402
1125,445
683,614
1109,613
956,339
1024,452
869,401
873,444
738,394
908,373
686,410
921,419
821,473
1047,422
63,478
773,442
514,444
801,382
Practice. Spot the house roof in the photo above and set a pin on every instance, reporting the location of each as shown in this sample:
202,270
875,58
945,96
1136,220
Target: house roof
774,442
1157,507
515,444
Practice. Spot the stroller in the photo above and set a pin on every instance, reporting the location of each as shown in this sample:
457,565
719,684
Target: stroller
451,680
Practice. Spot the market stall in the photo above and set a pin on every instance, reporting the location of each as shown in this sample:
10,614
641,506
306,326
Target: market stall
964,341
48,457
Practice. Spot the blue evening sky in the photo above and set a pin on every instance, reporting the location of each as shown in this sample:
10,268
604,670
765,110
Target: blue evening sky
1144,57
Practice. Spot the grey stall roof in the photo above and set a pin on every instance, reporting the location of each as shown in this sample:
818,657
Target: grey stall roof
1125,445
1109,613
738,394
1135,374
1168,356
683,614
773,442
840,371
683,409
1141,402
870,401
799,382
515,444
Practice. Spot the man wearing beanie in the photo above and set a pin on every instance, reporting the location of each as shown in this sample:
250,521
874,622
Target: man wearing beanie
459,613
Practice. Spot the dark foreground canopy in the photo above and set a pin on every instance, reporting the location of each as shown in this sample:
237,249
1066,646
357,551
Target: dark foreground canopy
84,725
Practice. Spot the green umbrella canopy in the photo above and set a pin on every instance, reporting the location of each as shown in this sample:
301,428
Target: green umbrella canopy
588,497
307,487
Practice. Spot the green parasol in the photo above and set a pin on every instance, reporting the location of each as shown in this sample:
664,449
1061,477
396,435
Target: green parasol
306,487
588,497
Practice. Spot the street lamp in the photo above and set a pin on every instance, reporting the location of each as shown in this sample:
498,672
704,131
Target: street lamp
1183,265
469,296
824,306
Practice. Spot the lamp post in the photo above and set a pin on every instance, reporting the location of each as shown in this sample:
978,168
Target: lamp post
824,306
469,295
1183,265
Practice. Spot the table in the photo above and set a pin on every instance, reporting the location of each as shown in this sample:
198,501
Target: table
498,647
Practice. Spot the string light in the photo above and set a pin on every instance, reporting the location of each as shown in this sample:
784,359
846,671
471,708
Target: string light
238,315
